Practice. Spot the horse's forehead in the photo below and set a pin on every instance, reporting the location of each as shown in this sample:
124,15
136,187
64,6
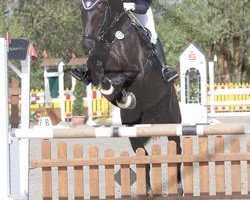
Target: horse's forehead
89,4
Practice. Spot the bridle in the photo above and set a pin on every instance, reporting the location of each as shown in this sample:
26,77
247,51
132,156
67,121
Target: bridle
101,32
107,23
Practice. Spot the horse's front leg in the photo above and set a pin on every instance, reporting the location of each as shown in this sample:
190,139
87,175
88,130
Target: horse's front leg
113,90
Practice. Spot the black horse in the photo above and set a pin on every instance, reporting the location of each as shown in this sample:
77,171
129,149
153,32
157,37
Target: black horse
124,64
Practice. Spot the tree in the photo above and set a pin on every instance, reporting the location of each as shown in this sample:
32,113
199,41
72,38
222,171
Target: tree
78,104
226,22
3,18
53,26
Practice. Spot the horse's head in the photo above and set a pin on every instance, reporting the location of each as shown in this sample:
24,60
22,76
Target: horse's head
96,16
92,13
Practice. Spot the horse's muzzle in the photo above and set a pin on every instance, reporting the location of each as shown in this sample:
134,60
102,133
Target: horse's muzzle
87,44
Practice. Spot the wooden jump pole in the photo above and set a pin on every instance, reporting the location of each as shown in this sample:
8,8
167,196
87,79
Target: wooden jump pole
144,130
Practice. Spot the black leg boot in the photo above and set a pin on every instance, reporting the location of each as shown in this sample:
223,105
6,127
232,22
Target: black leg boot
168,73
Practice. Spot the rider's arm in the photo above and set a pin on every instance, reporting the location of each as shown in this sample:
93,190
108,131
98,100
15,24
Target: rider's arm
137,6
142,6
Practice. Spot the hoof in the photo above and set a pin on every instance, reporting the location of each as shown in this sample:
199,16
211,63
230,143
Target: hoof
127,102
149,192
180,191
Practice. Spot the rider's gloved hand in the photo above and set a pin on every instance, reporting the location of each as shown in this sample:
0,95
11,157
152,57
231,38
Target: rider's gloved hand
129,6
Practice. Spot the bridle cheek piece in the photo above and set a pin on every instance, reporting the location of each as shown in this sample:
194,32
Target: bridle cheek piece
102,31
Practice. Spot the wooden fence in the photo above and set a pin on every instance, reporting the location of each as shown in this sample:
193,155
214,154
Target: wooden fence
163,171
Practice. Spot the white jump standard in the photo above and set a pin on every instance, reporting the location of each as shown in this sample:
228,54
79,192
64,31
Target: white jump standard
14,153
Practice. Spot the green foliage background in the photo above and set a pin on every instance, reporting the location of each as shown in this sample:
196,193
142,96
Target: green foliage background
78,105
55,26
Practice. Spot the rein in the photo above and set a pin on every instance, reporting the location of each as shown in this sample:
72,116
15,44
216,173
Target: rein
95,39
101,50
100,53
105,28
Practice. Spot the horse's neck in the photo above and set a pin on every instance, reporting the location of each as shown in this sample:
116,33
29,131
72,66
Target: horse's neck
129,27
125,24
121,25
